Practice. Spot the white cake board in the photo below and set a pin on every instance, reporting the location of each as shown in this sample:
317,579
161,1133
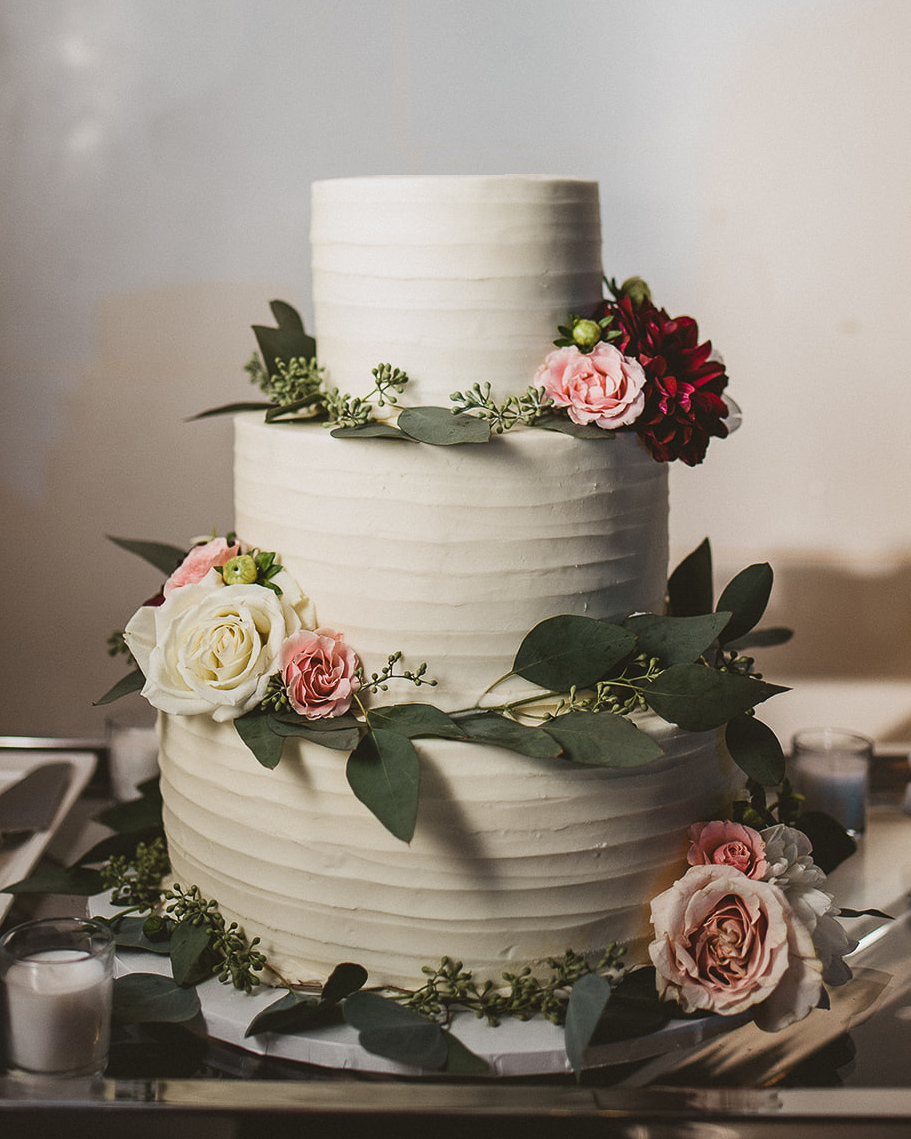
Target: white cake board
514,1048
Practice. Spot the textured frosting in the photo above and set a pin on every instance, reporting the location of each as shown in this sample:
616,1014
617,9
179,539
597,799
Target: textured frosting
453,280
452,554
449,554
513,859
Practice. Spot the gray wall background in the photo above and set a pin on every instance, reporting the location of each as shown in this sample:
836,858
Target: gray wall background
155,163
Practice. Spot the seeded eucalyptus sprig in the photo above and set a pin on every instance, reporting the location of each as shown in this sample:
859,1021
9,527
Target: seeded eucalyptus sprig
231,957
527,408
135,881
379,681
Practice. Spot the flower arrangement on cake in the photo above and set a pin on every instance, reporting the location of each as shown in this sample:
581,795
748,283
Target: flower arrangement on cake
629,366
748,929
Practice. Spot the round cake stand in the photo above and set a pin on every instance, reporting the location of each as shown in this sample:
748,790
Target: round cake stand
513,1049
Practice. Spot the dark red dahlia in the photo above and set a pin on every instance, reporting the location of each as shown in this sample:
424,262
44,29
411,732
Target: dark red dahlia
683,403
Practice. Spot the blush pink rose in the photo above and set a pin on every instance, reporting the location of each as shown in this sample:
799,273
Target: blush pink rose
199,561
726,943
603,386
318,670
723,843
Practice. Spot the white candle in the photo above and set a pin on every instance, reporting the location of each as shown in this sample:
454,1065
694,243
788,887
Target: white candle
831,770
58,1012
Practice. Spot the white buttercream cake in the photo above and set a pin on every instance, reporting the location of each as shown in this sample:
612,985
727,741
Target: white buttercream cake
449,554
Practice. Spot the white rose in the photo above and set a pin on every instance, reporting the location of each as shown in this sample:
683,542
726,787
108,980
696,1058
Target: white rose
210,648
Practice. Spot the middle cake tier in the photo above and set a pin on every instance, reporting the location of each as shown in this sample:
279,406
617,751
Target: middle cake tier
452,554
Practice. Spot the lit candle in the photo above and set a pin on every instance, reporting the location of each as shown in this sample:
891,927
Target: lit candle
58,1000
831,771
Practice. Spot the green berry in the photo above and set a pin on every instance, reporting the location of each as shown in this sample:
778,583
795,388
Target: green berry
586,333
240,570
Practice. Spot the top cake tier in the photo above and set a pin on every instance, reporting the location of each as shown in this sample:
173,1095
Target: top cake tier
454,280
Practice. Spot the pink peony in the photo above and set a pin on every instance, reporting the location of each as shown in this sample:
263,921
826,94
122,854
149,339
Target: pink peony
726,943
318,670
728,844
199,561
603,386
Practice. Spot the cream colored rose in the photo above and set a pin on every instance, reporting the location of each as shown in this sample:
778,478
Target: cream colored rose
211,648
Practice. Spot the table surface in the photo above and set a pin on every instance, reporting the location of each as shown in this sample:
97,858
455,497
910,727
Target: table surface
847,1065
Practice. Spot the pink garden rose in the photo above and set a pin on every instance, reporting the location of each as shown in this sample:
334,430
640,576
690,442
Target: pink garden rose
199,561
726,943
722,843
318,670
603,386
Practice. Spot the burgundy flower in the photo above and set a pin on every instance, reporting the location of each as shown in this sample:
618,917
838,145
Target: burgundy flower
683,403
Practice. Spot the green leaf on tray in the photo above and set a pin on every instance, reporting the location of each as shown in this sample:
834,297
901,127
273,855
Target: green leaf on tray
132,682
635,1009
117,844
261,738
389,1029
414,721
188,943
587,1000
149,998
755,749
499,731
129,934
602,739
298,1012
441,428
746,597
136,815
383,773
163,557
78,881
564,651
690,589
699,699
676,640
461,1061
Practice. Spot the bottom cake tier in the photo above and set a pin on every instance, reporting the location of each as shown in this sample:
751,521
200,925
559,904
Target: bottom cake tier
513,859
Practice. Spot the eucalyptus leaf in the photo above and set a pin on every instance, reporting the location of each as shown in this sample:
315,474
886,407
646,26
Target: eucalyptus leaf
568,650
294,1012
602,739
344,980
699,699
118,844
414,721
746,597
149,998
134,816
565,426
129,934
389,1029
341,737
383,773
371,431
277,410
690,588
78,881
188,943
261,738
132,682
461,1061
762,638
634,1010
498,731
231,409
162,556
441,428
286,342
676,640
755,749
587,1000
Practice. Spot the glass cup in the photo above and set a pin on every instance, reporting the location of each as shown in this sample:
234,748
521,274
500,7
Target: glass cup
132,756
831,769
58,980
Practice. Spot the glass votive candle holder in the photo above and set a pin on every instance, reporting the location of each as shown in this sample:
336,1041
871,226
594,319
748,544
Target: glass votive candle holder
831,769
57,978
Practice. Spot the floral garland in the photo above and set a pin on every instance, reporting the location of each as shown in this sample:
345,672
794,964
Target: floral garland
629,366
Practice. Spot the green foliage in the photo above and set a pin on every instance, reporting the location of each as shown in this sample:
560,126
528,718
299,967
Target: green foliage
149,998
208,944
568,651
163,557
699,699
383,772
498,731
755,749
603,740
690,587
135,880
587,1001
440,427
526,409
287,341
132,682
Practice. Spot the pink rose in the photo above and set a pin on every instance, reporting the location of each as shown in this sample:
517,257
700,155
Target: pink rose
728,844
199,561
726,943
602,386
318,670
